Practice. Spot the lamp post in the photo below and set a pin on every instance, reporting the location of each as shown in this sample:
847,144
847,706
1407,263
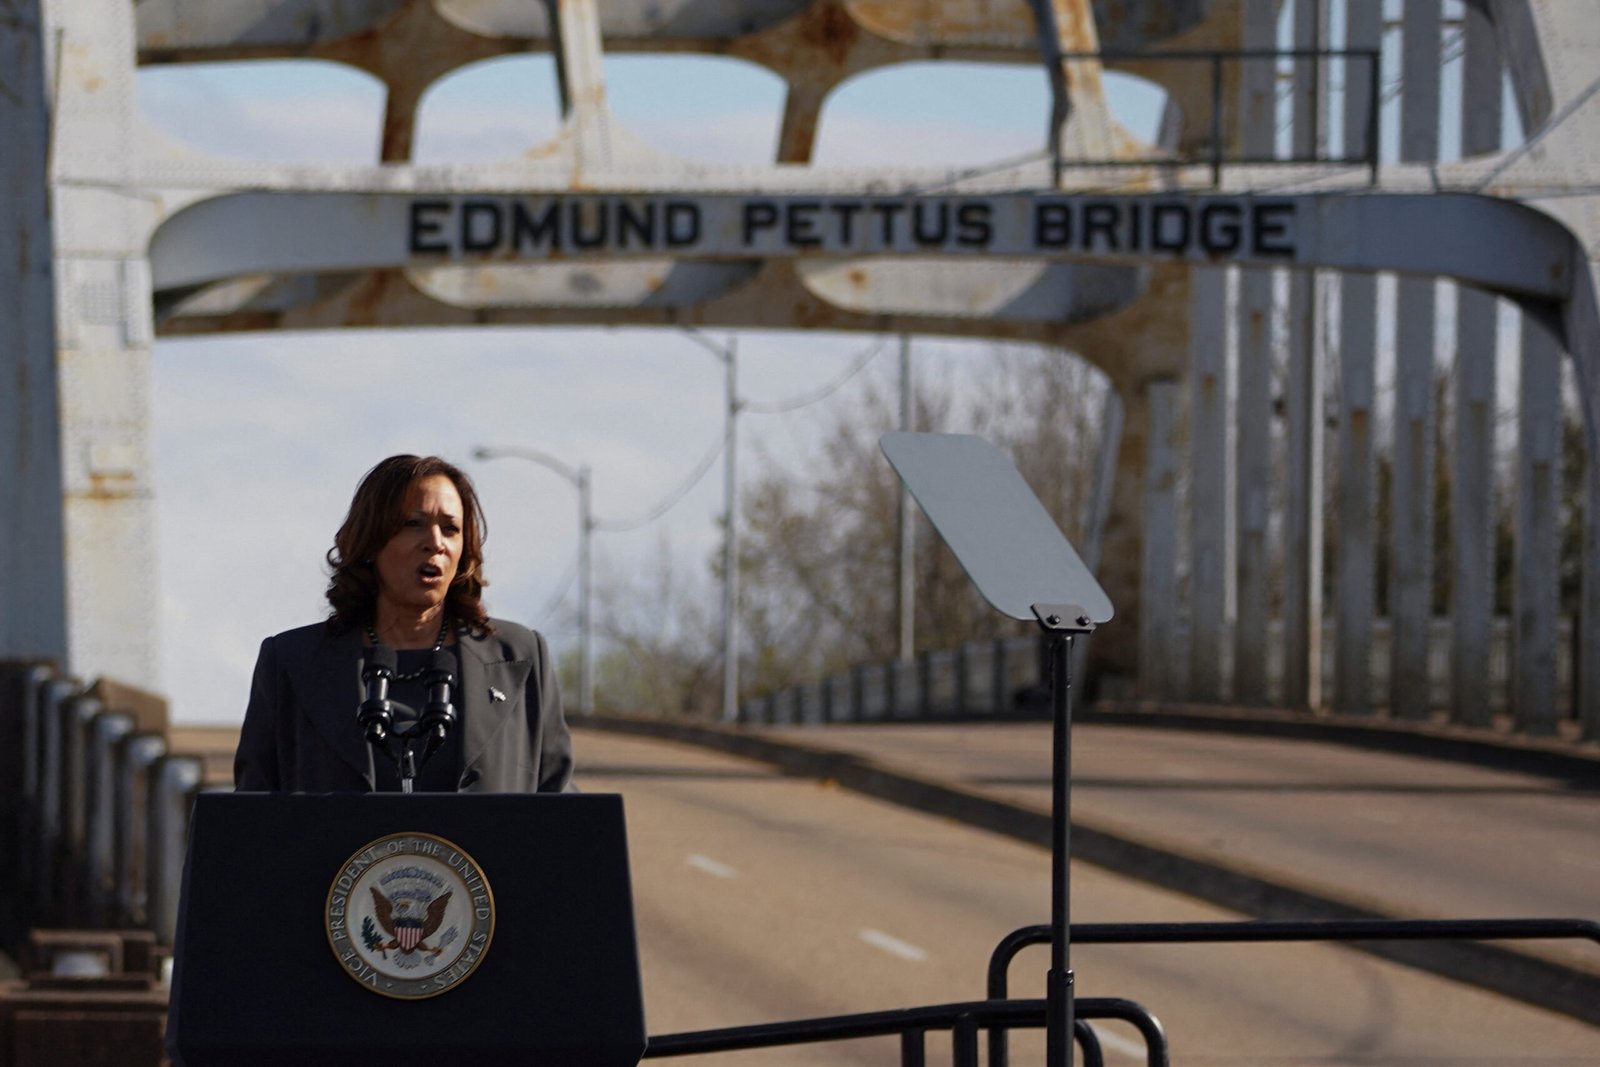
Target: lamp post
728,356
579,479
905,552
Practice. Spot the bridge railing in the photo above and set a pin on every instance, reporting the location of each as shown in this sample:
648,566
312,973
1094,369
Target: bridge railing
1006,678
979,678
94,806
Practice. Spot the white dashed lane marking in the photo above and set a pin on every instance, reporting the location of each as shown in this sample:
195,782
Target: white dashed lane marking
711,866
893,945
1111,1041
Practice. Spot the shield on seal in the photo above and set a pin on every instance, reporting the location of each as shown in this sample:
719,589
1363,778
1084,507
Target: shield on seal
408,932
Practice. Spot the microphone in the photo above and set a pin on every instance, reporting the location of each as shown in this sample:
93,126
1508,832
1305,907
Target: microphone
438,714
375,716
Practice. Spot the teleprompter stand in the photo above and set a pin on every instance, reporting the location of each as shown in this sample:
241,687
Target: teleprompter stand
1025,568
257,979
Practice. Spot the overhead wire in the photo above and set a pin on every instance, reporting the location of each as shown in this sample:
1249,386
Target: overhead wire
825,391
564,586
670,500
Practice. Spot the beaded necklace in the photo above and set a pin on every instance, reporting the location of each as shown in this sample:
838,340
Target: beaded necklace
411,676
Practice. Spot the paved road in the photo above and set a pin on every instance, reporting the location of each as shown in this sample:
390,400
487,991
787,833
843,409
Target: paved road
1410,836
764,897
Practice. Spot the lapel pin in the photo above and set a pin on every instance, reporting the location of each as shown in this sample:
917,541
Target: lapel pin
495,696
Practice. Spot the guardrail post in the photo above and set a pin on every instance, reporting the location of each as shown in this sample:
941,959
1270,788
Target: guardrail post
99,839
20,683
135,766
78,715
963,669
999,690
173,785
55,695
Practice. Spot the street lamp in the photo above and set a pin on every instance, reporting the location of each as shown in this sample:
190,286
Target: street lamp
579,479
729,358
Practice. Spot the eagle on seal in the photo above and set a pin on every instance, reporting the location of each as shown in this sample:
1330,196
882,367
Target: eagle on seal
407,930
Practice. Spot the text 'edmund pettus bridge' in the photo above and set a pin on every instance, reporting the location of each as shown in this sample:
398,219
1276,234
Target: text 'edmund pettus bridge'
536,226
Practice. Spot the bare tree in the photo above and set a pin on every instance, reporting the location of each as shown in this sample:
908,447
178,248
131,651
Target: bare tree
817,542
819,548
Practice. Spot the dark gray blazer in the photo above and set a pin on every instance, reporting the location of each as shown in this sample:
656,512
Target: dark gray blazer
300,733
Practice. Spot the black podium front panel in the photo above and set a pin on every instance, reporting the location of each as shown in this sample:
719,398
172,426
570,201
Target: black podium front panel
257,979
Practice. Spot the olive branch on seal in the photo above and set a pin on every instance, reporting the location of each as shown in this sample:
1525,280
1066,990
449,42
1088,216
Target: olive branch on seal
369,936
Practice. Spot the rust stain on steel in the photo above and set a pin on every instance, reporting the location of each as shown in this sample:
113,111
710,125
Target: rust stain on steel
109,487
946,22
826,29
83,67
819,46
408,50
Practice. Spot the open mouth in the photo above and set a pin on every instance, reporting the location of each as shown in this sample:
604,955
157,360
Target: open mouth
430,572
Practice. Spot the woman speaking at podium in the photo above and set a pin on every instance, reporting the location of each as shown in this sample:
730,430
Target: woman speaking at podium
407,573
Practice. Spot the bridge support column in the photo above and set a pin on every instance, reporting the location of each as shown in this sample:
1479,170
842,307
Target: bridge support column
1146,354
33,618
1253,447
1302,520
1158,589
1411,502
1209,559
1355,551
1303,407
1535,580
1472,468
1411,560
103,349
1549,50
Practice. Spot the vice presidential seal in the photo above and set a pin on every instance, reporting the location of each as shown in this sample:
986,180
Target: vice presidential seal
410,915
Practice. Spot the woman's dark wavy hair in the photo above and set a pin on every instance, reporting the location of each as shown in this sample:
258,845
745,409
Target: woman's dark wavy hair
375,516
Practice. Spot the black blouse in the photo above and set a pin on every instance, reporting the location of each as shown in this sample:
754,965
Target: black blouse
442,772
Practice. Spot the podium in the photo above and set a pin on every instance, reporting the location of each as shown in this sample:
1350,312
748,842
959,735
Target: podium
371,928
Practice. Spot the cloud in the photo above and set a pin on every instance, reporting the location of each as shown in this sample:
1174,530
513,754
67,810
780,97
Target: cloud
260,440
224,109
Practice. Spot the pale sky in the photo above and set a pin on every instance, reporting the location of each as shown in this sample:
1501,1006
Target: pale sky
260,439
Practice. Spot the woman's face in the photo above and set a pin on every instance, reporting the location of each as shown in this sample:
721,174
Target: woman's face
419,562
